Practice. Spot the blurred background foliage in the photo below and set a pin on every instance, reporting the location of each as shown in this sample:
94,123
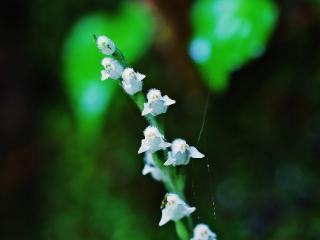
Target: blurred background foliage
69,168
227,33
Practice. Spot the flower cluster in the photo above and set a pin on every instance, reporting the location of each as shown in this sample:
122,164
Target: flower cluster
156,103
173,207
181,153
153,141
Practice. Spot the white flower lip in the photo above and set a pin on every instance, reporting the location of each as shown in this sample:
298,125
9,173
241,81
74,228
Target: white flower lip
203,232
132,81
112,69
181,153
175,209
150,167
156,103
153,140
106,45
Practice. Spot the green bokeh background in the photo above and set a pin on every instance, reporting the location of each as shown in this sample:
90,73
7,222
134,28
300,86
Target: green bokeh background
69,141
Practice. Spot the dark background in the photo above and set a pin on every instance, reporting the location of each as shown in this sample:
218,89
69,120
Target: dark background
261,137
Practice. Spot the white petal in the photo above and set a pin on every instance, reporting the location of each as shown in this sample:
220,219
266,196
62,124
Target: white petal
146,109
190,210
127,74
170,160
147,169
132,88
104,75
181,211
164,144
165,217
194,153
168,101
179,145
105,61
149,159
140,76
116,74
144,147
158,175
125,85
128,89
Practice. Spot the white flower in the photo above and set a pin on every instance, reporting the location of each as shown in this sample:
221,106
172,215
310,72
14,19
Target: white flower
132,81
174,208
153,140
181,153
105,45
156,103
150,167
112,69
203,232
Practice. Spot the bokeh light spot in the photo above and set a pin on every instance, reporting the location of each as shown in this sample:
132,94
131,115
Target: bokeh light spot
200,50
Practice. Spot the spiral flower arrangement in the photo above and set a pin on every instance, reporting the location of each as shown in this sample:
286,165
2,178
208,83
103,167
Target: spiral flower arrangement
176,153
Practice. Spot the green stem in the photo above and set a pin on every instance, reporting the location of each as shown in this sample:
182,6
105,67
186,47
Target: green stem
182,231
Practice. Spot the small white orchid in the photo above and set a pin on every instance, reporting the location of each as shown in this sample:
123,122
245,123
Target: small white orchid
156,103
181,153
174,208
203,232
112,69
153,140
150,167
132,81
106,45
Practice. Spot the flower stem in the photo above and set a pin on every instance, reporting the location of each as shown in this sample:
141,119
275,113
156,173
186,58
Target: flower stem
181,230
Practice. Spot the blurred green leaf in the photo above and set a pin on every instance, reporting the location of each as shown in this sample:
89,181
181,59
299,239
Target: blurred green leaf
130,28
228,33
